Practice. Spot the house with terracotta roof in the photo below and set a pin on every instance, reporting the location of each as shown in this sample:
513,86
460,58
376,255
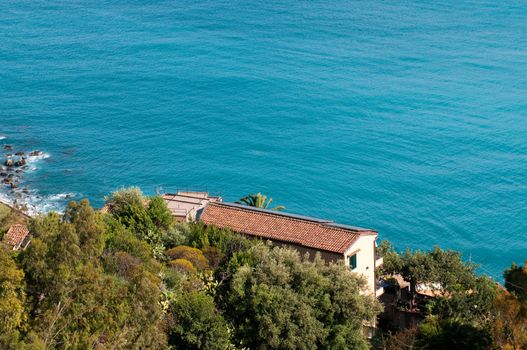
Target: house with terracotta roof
355,246
17,237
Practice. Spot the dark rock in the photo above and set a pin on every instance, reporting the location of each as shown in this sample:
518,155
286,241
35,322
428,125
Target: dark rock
8,147
9,155
21,162
3,174
13,185
6,181
25,190
19,153
35,153
18,171
10,176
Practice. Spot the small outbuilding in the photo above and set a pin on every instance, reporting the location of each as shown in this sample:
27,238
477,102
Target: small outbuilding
186,206
17,237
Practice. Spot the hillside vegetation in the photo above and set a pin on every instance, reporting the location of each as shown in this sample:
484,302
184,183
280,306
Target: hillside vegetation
131,278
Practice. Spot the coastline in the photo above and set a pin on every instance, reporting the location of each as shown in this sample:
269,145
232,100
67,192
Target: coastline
5,203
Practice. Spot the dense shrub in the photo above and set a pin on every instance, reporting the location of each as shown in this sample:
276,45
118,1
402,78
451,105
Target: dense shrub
214,256
182,265
12,297
174,236
123,198
279,301
90,285
194,255
448,335
159,213
516,281
196,324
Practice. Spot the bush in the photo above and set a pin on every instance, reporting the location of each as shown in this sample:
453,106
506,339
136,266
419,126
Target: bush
124,197
173,237
159,213
434,334
195,323
277,300
194,255
123,240
516,281
182,265
213,255
201,236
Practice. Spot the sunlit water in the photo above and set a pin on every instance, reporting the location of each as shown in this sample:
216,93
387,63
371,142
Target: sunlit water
404,116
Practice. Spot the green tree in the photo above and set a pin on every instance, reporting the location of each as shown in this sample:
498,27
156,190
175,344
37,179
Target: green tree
88,225
441,270
448,335
283,302
259,200
78,302
196,324
148,218
462,312
121,199
516,281
12,297
471,304
509,329
160,214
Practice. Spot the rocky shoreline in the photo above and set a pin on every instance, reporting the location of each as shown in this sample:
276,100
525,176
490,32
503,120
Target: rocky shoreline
12,171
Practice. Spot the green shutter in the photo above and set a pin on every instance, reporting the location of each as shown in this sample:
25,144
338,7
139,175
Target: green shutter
353,261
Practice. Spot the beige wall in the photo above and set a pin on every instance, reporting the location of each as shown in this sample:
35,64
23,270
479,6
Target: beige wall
364,247
327,256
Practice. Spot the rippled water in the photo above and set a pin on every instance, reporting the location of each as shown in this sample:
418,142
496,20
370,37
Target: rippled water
405,116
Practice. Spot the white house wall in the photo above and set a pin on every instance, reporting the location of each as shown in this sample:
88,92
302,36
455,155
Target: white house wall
364,247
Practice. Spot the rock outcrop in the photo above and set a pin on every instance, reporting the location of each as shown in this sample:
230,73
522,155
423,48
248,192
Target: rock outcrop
35,153
21,162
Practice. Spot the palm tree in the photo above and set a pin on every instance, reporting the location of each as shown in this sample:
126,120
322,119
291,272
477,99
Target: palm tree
259,200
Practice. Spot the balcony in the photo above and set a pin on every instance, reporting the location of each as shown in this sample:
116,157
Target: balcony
379,260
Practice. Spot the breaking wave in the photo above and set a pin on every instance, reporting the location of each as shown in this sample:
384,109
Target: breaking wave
30,200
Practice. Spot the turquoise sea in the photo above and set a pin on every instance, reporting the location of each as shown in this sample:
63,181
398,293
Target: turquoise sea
405,116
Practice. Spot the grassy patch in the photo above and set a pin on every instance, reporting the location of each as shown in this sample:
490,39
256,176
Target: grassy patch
8,217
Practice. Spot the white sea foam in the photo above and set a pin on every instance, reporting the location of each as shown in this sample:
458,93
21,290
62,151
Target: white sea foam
2,137
36,158
36,204
33,202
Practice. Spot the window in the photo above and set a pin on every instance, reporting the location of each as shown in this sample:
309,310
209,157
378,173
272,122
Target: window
353,261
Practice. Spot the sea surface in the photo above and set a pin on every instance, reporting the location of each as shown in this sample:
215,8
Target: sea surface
409,117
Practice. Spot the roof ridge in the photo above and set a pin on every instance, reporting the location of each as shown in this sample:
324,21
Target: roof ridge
322,222
270,212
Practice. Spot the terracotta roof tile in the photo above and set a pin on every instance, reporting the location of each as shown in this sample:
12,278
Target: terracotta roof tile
16,234
288,228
